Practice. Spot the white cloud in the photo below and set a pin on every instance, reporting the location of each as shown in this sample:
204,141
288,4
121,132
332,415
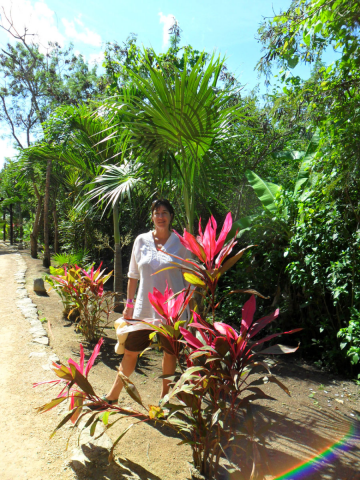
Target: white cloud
40,20
168,21
96,58
86,36
6,151
37,17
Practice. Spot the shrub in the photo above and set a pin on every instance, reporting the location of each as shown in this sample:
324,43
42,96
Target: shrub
84,291
80,257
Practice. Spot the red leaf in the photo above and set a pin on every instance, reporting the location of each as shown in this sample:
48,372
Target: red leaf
260,324
248,311
223,234
92,359
190,339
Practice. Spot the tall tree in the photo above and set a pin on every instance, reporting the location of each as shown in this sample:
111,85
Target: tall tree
176,117
32,85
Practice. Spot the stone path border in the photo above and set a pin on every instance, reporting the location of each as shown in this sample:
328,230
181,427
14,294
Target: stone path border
40,337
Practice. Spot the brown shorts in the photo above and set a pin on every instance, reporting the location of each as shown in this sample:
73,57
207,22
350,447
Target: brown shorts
138,341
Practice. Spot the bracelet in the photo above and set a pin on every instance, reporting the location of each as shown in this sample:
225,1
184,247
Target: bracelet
129,305
129,300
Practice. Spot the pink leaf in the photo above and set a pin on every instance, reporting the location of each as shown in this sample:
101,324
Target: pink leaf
260,324
190,339
223,234
200,229
72,362
225,329
248,311
269,337
225,252
209,241
81,358
195,247
92,359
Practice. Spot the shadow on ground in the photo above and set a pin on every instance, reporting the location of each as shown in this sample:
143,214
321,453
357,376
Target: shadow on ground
314,445
98,468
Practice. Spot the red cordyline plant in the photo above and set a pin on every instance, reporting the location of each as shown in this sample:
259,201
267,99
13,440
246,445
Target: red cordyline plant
214,393
170,307
211,253
84,290
70,378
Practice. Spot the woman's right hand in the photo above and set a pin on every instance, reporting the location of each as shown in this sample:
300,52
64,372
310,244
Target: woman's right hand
128,313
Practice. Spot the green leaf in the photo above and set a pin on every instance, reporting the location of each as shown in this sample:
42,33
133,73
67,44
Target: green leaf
111,454
193,279
50,405
280,384
278,350
241,226
93,427
81,381
293,61
65,420
265,191
306,164
229,263
131,389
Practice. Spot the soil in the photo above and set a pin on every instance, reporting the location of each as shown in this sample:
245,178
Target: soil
323,409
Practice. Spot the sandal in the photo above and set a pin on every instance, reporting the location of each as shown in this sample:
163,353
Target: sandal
100,406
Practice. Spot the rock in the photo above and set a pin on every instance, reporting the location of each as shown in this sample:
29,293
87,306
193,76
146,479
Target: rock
21,293
20,246
24,301
79,456
38,332
54,358
41,340
30,314
85,438
37,354
35,323
39,286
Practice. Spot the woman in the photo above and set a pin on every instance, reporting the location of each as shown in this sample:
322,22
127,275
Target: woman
146,259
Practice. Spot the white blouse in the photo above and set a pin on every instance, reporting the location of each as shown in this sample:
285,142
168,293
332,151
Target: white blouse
146,260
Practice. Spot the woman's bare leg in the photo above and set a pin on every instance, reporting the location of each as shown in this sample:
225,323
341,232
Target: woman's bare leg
127,366
168,368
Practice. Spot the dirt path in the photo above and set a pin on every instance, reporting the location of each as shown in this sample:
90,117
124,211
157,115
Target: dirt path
25,451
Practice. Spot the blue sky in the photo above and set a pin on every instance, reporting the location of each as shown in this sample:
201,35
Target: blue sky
229,27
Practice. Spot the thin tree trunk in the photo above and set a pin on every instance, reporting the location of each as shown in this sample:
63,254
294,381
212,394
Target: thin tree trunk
118,278
56,229
4,228
21,229
36,227
46,259
11,225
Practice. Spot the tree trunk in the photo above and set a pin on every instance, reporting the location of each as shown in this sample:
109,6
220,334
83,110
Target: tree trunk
56,228
4,230
21,228
118,278
36,227
46,259
11,225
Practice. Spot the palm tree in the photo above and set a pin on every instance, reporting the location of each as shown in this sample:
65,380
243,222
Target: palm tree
178,119
111,187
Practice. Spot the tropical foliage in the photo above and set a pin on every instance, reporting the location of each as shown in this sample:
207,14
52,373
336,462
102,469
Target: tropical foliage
83,291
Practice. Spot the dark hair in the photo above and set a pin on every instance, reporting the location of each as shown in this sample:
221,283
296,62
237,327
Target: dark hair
162,202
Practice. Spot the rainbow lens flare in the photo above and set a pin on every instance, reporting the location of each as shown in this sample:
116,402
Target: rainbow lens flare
323,458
